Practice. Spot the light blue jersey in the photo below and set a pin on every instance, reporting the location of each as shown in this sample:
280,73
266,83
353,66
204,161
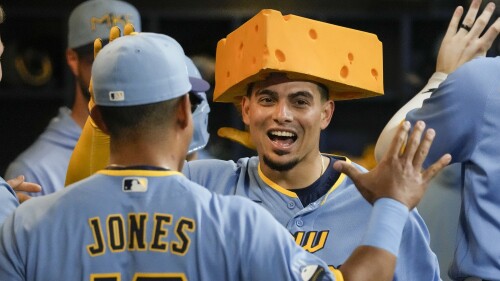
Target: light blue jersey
8,200
465,112
46,161
331,227
139,224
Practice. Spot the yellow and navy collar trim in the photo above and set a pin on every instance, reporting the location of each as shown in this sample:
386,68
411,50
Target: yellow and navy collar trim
292,194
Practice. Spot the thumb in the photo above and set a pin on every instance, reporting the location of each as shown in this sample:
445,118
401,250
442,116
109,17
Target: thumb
347,168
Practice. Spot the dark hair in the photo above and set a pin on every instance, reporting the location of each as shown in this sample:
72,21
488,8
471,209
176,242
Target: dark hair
323,91
132,121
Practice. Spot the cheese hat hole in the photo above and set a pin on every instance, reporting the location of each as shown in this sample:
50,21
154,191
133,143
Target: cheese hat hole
256,28
254,60
375,73
228,74
280,55
240,50
350,56
287,17
313,34
344,72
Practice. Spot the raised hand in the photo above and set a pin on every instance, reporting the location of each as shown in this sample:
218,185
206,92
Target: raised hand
463,41
20,187
399,175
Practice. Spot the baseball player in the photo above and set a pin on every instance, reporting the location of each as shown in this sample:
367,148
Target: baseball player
303,195
141,219
84,162
464,110
46,161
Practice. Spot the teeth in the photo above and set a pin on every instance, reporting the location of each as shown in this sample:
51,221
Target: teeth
282,134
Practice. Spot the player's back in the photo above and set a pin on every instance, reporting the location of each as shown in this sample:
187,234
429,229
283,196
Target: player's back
128,224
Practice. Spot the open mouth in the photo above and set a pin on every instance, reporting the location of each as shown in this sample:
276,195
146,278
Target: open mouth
283,138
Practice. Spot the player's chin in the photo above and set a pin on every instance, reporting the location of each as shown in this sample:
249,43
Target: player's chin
280,163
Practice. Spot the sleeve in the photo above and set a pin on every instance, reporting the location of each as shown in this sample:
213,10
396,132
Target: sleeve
218,176
8,201
274,243
416,260
454,111
11,265
389,130
91,153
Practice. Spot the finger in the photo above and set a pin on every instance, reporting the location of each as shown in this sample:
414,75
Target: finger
454,22
398,140
22,197
348,169
423,148
482,21
128,29
114,33
97,46
435,168
28,187
491,34
16,181
414,141
471,13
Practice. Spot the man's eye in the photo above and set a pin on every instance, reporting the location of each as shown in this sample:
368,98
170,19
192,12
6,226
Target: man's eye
301,102
265,100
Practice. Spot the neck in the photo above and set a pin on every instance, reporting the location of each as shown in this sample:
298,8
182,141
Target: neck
306,172
148,152
79,110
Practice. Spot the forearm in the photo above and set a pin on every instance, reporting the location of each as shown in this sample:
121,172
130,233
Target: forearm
390,128
376,258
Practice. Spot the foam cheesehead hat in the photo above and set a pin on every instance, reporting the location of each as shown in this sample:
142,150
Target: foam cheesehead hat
346,61
94,18
142,69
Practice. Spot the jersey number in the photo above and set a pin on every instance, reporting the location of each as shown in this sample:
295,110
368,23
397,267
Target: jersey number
139,277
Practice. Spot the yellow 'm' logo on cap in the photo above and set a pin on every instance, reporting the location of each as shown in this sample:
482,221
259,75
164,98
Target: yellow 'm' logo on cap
110,20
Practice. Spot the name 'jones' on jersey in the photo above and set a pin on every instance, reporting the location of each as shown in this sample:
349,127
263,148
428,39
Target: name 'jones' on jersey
119,236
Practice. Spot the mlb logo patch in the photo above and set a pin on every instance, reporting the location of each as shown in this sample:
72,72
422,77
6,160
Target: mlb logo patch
135,185
117,96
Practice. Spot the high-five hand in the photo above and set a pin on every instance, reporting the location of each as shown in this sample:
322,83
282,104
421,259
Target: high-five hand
399,175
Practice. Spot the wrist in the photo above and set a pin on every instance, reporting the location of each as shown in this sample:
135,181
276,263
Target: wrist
385,228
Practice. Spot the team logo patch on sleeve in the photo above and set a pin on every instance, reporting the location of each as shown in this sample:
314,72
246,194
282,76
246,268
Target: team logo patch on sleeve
135,185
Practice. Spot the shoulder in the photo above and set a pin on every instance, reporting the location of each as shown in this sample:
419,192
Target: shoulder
214,167
480,72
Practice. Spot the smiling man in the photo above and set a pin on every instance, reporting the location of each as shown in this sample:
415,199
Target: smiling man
286,101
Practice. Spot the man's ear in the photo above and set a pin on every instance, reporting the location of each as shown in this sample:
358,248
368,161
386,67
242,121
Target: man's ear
72,60
96,116
245,108
183,111
327,110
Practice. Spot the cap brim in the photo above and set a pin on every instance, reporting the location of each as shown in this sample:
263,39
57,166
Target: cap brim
198,85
